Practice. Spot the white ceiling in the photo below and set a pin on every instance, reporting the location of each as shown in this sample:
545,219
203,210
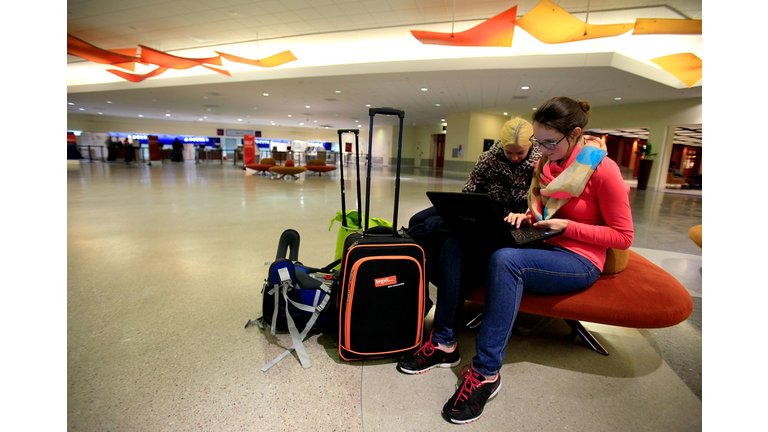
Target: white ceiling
484,83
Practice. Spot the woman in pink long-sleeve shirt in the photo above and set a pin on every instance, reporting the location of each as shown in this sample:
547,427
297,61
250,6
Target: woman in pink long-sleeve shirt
575,189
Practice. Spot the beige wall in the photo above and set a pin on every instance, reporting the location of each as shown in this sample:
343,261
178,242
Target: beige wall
469,130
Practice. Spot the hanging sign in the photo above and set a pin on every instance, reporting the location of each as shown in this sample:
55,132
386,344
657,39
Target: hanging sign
249,149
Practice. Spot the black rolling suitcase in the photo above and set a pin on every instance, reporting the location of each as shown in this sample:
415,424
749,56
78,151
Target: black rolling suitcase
383,289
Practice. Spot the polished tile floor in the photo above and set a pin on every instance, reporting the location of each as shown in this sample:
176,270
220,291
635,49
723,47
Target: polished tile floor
165,265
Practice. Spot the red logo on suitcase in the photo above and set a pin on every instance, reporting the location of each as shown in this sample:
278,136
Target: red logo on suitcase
385,281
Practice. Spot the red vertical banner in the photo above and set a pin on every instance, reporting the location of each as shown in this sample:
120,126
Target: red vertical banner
249,149
155,154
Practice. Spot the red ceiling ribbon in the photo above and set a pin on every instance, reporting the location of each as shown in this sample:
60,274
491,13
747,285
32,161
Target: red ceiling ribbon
151,55
493,32
80,48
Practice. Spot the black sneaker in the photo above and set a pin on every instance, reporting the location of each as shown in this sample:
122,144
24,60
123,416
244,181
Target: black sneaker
428,357
466,405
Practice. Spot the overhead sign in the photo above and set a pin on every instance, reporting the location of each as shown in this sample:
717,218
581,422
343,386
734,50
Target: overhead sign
238,132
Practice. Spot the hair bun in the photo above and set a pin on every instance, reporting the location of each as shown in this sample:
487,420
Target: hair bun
586,106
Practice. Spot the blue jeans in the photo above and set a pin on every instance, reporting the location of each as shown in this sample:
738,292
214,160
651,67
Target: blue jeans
507,272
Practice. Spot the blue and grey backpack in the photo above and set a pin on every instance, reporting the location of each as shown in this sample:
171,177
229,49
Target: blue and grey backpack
305,292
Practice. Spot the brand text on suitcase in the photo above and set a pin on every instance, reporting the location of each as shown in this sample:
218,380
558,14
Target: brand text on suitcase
391,281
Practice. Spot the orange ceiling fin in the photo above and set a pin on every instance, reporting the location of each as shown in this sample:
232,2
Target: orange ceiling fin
497,31
686,67
551,24
271,61
644,26
151,55
80,48
135,77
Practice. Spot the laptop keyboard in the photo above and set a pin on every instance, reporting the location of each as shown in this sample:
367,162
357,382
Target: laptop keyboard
523,236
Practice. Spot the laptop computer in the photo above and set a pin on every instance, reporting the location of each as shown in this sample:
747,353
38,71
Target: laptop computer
476,215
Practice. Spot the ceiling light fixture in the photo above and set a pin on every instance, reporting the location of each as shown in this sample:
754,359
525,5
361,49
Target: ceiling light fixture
266,94
525,87
424,89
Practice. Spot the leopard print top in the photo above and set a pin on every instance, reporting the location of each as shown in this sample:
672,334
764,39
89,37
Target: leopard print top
505,182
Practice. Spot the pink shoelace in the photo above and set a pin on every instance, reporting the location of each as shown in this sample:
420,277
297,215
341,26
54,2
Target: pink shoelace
471,382
427,349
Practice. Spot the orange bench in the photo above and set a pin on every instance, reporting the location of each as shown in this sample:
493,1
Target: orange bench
643,295
290,170
263,166
319,166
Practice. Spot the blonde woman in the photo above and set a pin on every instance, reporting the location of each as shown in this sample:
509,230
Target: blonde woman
505,171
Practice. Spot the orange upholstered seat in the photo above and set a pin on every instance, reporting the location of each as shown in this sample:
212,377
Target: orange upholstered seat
290,169
642,296
264,165
319,166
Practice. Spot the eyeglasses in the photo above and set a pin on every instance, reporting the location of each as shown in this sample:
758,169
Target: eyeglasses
549,145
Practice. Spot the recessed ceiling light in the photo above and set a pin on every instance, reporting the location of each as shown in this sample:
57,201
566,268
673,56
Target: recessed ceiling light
424,89
618,98
437,104
307,106
168,115
301,124
506,113
109,101
141,115
81,109
239,119
266,94
338,91
72,103
289,115
525,87
368,105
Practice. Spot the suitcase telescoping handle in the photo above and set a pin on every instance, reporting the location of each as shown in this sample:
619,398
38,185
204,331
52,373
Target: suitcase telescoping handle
341,171
385,111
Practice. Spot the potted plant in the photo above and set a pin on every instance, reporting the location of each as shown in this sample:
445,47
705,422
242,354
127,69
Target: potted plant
645,151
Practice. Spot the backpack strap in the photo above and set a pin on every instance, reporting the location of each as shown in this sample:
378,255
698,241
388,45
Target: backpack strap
298,337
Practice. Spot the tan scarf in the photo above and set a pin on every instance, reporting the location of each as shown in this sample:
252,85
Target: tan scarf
553,185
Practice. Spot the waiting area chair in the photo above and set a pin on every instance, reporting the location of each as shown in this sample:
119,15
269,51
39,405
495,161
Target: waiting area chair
318,166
